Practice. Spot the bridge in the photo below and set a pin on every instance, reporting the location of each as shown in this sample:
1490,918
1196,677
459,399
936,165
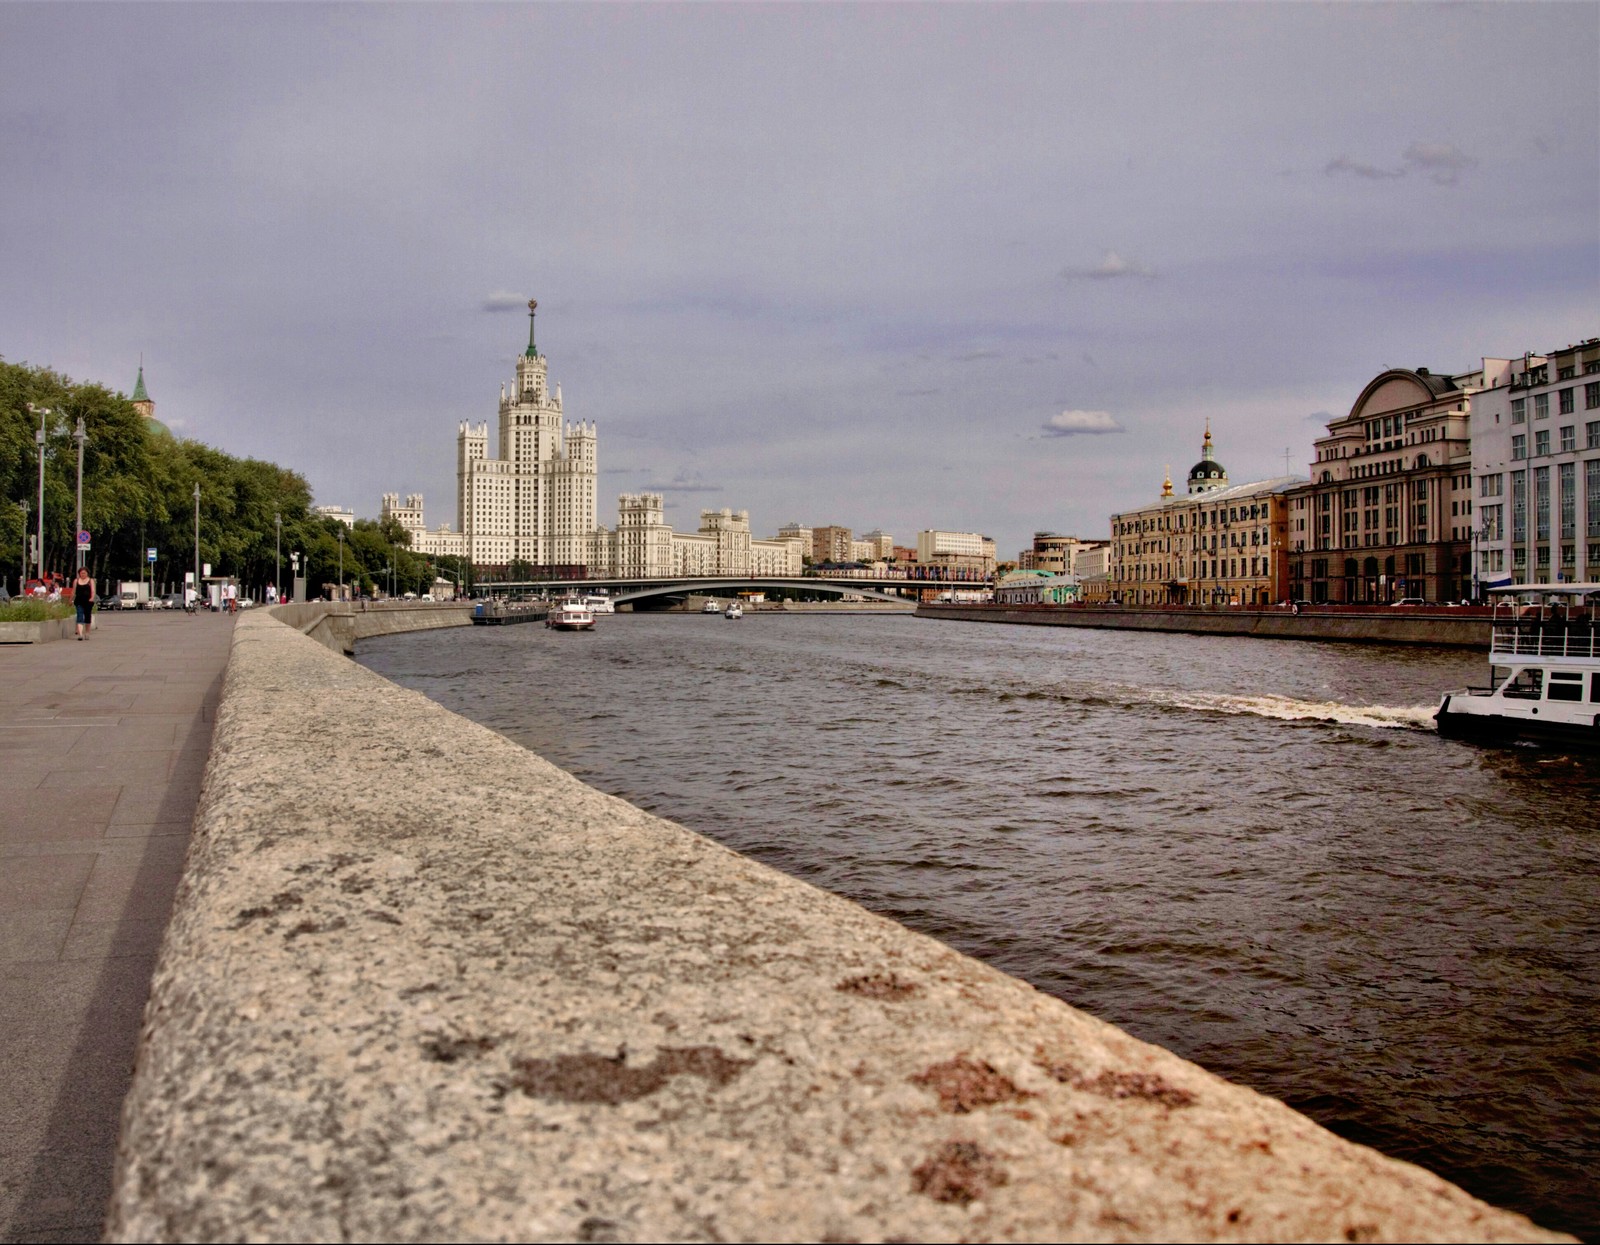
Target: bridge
627,591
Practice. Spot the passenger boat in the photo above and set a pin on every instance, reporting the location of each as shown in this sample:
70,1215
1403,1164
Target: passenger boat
711,607
734,610
1544,671
570,615
599,603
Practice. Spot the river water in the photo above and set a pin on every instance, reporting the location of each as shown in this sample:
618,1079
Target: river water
1254,853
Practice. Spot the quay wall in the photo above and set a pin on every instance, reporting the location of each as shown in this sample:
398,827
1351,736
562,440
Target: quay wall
419,984
1464,628
340,625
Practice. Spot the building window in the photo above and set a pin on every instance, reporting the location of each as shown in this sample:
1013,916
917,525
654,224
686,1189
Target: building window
1564,401
1591,394
1541,505
1519,446
1569,438
1591,503
1541,406
1591,434
1519,506
1567,474
1541,443
1519,410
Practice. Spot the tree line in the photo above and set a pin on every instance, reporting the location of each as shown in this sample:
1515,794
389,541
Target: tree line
138,494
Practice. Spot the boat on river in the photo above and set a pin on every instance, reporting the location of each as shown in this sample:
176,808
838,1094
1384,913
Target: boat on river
498,613
570,615
600,603
734,610
711,607
1544,671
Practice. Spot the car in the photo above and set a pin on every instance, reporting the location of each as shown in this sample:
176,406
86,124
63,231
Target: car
1409,601
172,601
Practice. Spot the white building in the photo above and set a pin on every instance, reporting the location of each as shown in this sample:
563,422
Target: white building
441,542
535,501
955,549
644,547
342,513
1536,459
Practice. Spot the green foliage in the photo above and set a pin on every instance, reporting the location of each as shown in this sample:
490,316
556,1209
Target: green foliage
138,492
27,609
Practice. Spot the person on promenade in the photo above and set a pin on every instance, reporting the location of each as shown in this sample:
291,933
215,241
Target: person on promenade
83,599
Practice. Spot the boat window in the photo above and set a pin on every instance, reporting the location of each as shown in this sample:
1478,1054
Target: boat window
1526,684
1594,688
1565,685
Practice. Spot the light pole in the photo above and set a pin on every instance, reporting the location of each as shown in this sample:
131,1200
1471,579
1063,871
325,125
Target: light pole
80,436
294,574
38,551
23,578
341,561
197,542
277,554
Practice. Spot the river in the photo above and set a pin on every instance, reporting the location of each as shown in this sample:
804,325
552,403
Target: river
1252,852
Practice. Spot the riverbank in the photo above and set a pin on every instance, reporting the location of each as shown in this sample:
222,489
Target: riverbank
421,984
1463,627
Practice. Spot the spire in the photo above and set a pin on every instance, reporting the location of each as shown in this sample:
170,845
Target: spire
532,351
1205,449
139,394
1166,484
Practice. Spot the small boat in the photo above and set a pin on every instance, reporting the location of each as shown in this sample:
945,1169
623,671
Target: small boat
734,610
711,607
570,615
599,603
1544,671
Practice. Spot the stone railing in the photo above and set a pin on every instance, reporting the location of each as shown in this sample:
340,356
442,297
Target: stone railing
421,985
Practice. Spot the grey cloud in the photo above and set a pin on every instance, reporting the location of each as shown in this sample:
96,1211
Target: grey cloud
1080,423
1110,267
1442,163
503,300
1344,164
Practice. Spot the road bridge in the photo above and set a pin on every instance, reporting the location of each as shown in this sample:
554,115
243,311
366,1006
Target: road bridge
627,591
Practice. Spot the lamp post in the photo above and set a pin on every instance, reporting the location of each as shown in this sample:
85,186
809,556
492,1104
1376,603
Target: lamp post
277,554
80,436
197,586
294,574
38,551
341,561
23,578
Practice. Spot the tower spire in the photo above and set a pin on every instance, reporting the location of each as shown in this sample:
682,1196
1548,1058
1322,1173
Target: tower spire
532,351
1205,448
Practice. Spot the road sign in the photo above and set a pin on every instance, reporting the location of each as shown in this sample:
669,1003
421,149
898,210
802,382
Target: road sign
149,555
205,569
83,540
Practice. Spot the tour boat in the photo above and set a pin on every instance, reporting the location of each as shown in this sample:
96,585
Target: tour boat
599,603
711,607
570,616
734,610
1544,671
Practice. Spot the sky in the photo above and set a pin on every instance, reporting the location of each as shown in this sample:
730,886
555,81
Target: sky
984,267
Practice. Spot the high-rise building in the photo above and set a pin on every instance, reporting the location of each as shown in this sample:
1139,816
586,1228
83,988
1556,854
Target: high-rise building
535,502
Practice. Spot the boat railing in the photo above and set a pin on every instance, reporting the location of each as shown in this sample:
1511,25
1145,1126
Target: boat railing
1544,639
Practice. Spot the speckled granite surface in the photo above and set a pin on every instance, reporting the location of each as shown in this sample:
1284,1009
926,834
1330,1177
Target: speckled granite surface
421,985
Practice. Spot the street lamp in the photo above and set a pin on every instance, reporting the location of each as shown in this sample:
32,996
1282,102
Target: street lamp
197,585
294,574
80,436
277,554
39,438
341,561
22,581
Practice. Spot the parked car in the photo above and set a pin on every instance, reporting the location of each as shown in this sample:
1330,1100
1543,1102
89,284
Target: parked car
172,601
1410,601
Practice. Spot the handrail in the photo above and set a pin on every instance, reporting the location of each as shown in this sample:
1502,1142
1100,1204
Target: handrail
1544,641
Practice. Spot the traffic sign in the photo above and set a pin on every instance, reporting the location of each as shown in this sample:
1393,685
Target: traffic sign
83,540
149,555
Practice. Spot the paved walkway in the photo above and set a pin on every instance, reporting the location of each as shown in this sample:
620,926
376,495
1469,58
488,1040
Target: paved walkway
102,750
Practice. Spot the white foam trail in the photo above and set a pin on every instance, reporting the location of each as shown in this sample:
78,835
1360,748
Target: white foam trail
1386,717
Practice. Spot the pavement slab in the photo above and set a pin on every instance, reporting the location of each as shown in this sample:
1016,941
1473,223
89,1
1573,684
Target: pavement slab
101,765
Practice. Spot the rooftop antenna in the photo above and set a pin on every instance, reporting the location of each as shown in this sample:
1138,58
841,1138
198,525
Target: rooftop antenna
1287,470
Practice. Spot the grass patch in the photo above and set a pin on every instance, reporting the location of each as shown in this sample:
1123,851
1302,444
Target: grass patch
35,611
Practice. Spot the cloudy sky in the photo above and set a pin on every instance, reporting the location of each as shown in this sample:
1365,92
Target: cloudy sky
984,267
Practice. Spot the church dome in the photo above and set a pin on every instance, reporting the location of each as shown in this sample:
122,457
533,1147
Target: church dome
1208,473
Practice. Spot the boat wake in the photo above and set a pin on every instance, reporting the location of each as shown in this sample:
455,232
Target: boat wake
1383,717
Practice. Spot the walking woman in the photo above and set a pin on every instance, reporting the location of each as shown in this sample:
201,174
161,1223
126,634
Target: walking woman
83,598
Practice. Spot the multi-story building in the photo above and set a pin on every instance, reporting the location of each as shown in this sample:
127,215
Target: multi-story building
880,545
535,501
800,534
644,547
1219,544
441,542
964,551
830,544
1382,518
1534,512
343,514
1054,552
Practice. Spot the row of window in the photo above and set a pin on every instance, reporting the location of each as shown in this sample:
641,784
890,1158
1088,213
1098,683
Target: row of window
1566,403
1568,442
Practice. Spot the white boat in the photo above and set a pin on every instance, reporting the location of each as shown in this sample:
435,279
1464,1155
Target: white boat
1544,671
599,603
711,607
734,610
570,616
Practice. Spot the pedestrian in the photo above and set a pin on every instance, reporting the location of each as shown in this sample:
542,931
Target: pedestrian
232,593
83,599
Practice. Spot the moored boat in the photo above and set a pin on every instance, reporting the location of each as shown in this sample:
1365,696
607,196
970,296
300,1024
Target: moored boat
599,603
711,607
570,615
734,610
1544,671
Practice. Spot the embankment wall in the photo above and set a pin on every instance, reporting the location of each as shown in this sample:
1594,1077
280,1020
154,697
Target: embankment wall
421,985
340,626
1468,630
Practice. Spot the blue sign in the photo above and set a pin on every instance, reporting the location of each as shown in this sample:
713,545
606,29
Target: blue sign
149,555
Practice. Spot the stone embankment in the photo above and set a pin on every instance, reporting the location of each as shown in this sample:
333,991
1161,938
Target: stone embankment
1456,628
421,985
339,626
